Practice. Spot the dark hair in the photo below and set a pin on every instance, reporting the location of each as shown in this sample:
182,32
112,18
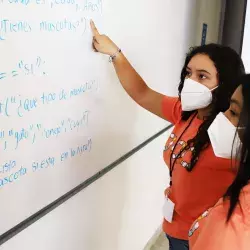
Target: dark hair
229,67
243,175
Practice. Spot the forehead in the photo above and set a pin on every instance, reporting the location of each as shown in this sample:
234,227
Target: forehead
202,62
237,96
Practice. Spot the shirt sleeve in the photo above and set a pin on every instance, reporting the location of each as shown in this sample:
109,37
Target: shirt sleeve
171,109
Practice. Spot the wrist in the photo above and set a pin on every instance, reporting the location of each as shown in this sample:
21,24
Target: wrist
115,55
113,50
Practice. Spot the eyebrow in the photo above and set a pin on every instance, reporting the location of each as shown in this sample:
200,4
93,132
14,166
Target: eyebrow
234,101
200,70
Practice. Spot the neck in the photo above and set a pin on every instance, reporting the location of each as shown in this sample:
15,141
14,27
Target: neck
203,113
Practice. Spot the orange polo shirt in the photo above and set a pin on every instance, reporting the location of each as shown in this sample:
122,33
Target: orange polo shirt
196,191
211,231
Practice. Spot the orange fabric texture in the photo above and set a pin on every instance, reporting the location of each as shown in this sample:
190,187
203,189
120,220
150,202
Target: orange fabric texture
196,191
211,232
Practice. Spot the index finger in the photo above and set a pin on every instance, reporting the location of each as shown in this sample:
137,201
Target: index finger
94,29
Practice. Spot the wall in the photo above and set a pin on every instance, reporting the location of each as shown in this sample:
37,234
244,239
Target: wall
234,19
208,12
122,210
246,41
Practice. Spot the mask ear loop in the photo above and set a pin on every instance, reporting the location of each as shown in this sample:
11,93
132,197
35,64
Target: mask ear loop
214,88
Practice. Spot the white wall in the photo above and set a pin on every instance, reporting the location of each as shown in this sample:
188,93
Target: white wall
246,41
122,210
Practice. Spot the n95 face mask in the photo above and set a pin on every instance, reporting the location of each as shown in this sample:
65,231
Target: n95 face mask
195,95
224,137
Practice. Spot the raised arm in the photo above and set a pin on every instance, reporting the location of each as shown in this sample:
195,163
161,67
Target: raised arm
131,81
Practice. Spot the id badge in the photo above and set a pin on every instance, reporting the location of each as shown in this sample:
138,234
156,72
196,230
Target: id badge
168,210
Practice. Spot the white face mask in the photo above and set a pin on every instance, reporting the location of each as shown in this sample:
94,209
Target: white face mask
195,95
224,137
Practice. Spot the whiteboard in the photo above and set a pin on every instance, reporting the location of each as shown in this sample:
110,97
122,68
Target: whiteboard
64,115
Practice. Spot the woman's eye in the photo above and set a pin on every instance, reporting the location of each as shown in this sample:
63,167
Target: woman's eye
188,74
232,113
202,77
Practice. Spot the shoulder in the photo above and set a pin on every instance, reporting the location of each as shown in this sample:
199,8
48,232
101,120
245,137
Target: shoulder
171,109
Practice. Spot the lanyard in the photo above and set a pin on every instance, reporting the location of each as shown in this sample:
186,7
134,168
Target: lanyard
171,168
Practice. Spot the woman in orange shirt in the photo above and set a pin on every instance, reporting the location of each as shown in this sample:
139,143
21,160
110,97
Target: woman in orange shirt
227,225
198,177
